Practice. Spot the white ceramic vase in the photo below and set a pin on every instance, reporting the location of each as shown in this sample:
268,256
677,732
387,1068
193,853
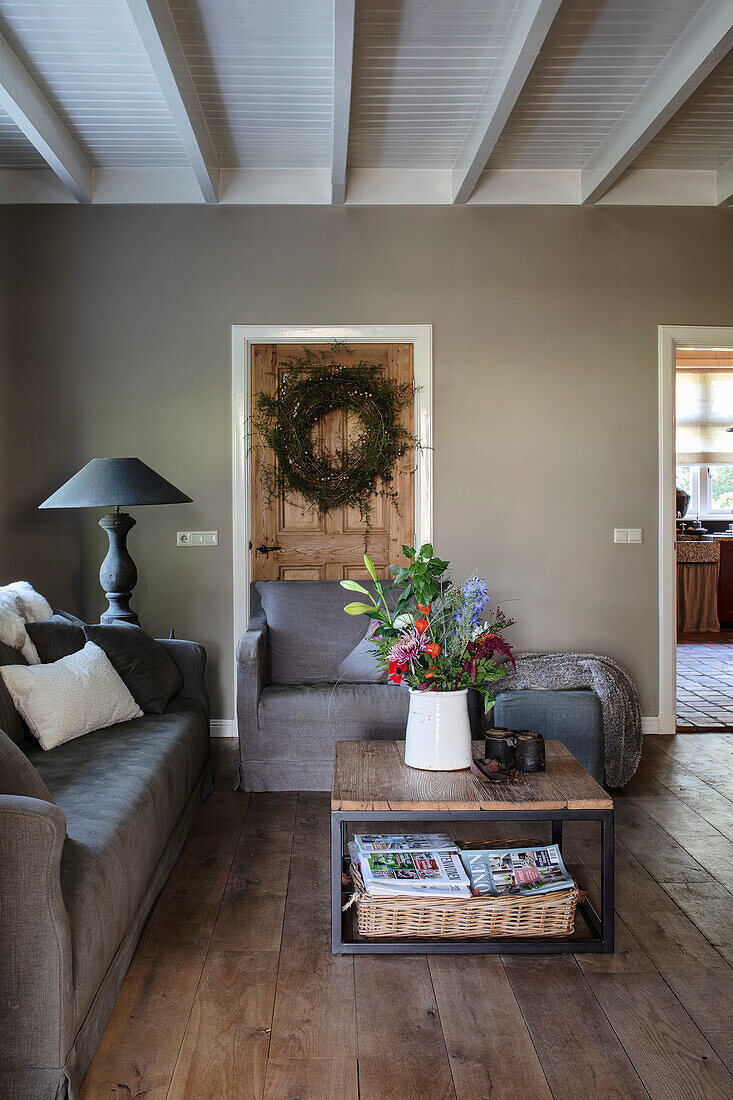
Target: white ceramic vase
438,731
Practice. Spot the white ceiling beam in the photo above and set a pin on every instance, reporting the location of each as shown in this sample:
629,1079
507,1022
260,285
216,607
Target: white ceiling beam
23,100
343,63
705,41
724,183
522,43
159,36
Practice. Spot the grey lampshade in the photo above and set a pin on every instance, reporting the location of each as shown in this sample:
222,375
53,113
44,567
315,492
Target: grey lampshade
112,482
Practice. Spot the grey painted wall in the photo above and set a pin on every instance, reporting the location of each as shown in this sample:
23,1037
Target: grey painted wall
115,328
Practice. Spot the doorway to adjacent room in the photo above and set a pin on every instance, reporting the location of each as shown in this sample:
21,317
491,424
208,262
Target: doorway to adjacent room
703,390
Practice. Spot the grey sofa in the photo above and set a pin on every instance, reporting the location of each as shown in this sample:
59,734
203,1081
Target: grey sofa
78,879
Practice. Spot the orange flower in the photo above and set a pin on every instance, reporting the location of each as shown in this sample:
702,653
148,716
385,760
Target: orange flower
433,649
425,610
421,625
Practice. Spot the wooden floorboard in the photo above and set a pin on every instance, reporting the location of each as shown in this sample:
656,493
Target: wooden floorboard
488,1043
233,993
314,1024
580,1053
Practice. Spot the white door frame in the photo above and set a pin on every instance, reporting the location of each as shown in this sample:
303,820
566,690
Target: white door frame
670,338
243,337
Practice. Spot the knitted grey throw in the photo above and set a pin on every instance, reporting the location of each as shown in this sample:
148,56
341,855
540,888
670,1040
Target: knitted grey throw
611,683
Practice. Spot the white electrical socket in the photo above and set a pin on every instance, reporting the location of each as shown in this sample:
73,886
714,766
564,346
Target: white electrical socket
197,538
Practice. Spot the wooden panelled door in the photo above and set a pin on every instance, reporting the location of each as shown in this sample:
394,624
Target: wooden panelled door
329,547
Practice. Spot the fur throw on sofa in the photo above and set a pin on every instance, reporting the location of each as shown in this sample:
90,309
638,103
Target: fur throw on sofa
21,604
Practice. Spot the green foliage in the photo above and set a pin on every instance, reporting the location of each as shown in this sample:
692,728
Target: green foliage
422,601
351,473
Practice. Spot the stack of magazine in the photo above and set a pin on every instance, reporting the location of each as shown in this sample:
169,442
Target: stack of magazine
432,865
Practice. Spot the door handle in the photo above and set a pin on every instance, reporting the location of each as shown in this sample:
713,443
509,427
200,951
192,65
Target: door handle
262,549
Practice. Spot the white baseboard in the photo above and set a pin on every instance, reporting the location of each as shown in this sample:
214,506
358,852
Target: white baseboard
223,727
663,724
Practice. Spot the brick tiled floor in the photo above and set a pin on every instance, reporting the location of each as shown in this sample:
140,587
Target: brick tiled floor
705,683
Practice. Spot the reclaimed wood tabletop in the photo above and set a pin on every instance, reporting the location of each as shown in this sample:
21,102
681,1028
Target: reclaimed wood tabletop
372,775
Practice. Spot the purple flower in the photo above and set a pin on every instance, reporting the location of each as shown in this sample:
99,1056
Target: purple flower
475,593
409,647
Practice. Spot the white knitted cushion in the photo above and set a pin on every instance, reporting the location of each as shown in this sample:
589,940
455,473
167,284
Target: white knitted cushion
70,697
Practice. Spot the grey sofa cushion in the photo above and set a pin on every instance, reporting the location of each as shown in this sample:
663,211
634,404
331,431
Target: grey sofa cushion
360,666
17,774
11,722
151,676
122,790
56,637
309,633
573,717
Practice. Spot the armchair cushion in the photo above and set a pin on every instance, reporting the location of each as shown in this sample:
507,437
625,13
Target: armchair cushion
312,717
309,633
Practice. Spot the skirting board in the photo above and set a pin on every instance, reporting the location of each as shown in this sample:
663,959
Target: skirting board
225,727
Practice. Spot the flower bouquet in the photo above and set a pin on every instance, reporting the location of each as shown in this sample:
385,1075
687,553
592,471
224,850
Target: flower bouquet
431,634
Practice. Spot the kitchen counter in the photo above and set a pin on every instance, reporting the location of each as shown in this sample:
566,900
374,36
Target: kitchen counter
698,551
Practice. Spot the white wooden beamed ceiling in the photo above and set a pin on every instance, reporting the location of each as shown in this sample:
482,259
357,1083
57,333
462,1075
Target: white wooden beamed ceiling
626,102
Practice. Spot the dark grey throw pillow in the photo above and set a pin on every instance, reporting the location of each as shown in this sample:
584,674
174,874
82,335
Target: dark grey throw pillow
10,721
56,637
17,774
152,677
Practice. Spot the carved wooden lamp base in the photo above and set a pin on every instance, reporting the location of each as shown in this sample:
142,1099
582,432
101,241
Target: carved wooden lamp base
118,575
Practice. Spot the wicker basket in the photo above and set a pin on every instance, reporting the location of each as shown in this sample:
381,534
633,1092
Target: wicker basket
458,918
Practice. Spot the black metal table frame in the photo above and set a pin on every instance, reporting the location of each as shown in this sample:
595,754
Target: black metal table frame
601,925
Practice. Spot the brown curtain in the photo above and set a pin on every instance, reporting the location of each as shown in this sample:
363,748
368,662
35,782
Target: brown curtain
697,596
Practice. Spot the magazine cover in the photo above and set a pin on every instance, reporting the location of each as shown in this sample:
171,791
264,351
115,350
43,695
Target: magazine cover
391,842
501,871
438,873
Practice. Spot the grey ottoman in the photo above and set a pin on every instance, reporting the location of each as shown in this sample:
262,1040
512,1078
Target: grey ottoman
573,717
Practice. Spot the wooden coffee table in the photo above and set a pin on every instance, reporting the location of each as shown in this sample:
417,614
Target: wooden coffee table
372,784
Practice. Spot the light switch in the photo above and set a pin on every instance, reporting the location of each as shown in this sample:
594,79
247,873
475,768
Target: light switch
197,538
211,538
620,534
635,534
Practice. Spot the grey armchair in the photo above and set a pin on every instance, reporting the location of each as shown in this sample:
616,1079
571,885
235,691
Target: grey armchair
291,705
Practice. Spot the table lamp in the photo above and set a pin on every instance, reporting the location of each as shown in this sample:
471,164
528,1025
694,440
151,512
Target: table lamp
112,483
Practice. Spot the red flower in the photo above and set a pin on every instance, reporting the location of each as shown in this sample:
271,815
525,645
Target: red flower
396,671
